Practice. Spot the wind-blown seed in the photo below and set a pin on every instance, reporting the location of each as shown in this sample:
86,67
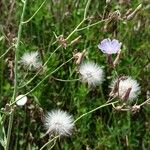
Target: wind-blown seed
125,87
59,122
91,73
30,60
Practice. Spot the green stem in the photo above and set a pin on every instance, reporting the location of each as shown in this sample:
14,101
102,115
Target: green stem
49,142
15,74
6,52
34,13
129,123
106,104
62,80
91,25
9,130
17,52
84,18
145,102
86,8
75,29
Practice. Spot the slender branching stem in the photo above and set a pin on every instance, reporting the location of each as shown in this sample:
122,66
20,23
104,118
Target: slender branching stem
62,80
34,13
146,102
86,9
17,53
84,18
91,111
15,75
91,25
9,130
46,144
6,52
75,29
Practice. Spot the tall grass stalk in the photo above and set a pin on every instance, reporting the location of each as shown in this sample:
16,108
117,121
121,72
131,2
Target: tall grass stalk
15,74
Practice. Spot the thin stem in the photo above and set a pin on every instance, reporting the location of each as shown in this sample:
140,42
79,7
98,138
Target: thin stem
34,13
53,144
91,25
3,130
147,101
129,123
110,99
15,74
5,138
6,52
106,104
11,118
3,118
17,52
56,137
84,18
86,9
62,80
104,11
75,29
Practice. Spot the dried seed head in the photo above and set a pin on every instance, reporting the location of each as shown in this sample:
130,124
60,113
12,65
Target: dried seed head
78,56
125,88
59,122
62,41
30,61
91,73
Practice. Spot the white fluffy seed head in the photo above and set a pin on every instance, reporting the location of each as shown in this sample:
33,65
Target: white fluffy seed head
30,60
21,100
91,73
124,85
59,122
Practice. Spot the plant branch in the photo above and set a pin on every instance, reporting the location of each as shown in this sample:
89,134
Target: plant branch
84,18
15,74
56,137
34,13
106,104
6,51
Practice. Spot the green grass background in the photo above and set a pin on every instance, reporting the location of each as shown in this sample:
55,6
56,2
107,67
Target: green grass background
104,129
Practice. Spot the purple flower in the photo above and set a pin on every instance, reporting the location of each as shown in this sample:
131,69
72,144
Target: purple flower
109,46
